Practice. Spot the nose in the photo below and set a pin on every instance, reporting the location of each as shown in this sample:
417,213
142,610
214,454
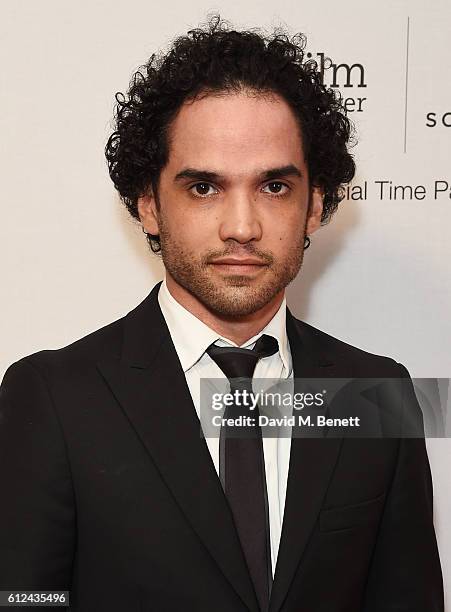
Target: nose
240,220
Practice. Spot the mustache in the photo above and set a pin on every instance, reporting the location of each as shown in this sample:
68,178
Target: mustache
239,251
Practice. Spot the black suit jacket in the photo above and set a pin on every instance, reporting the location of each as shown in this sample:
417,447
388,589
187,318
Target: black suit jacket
109,491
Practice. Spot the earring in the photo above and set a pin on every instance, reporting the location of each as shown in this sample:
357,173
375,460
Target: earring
144,231
307,242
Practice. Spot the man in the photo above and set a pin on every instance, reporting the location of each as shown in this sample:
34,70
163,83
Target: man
231,152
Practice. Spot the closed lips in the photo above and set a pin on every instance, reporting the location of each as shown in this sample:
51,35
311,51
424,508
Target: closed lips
239,262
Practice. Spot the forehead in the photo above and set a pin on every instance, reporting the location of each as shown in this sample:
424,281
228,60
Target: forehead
236,132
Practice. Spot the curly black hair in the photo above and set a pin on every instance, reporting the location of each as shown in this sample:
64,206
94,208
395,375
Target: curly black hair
217,58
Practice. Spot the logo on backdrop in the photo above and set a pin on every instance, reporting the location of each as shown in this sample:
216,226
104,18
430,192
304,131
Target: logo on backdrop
438,119
343,76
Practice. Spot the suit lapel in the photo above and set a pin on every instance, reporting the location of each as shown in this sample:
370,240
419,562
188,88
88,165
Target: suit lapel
150,385
312,461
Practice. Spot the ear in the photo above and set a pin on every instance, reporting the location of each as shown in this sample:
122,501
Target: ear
315,210
148,213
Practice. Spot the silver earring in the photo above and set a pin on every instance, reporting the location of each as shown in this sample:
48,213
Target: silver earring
307,242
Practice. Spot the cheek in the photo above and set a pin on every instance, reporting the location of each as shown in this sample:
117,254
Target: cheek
191,231
285,226
202,222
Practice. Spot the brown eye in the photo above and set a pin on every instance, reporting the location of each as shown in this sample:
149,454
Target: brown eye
201,189
276,188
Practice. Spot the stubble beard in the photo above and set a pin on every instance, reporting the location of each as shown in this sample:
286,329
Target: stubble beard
231,295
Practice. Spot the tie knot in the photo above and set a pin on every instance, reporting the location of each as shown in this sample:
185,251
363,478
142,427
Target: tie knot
237,362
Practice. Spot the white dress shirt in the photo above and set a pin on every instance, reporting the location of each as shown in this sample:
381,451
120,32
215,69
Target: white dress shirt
191,338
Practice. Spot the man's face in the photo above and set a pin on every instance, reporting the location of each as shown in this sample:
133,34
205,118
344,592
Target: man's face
234,202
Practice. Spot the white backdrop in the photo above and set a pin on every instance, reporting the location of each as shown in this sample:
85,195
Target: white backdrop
377,277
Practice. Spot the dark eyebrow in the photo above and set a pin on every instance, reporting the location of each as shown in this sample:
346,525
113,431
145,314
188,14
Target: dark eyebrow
275,173
207,175
192,173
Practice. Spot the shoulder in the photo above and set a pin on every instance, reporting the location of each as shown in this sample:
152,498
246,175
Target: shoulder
77,361
75,358
104,343
346,356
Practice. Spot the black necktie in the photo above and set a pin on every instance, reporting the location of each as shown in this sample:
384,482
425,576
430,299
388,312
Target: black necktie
242,467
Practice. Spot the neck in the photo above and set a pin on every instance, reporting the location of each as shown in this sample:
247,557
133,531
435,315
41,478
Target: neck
237,328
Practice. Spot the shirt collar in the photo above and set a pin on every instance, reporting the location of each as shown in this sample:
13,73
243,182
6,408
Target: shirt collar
192,337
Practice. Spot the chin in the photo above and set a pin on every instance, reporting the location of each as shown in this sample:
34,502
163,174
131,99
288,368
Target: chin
238,300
